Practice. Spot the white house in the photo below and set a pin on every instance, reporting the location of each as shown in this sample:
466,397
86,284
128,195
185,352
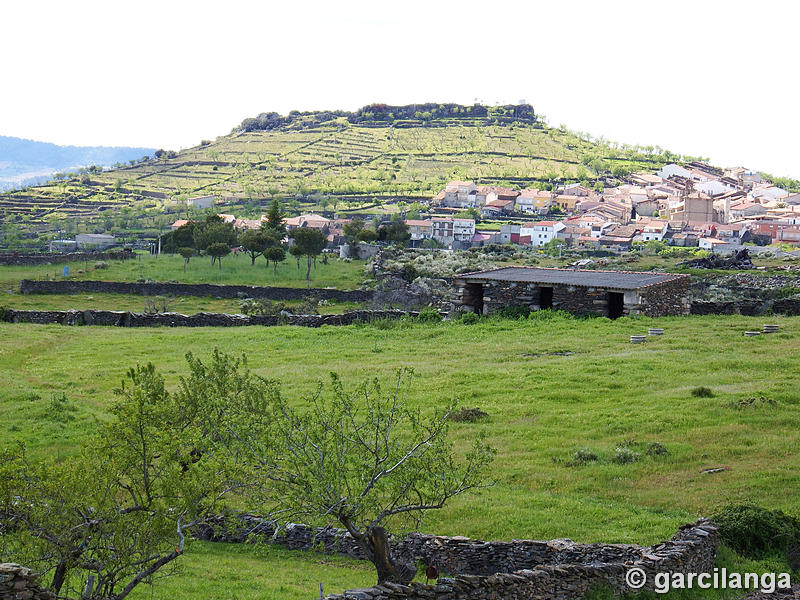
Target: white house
668,171
201,202
541,232
654,230
95,240
463,229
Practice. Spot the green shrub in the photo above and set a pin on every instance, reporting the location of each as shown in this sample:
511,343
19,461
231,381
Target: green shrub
581,456
261,306
702,392
100,265
429,315
470,318
657,449
60,409
624,456
756,532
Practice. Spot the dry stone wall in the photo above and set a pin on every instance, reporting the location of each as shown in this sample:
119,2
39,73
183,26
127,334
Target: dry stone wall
21,583
28,286
44,259
519,569
116,318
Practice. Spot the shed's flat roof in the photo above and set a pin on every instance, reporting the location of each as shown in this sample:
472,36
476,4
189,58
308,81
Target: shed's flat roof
623,280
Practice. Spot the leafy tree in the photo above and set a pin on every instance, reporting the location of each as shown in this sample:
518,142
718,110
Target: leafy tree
115,515
297,253
275,254
363,458
352,230
275,218
186,253
366,459
396,231
216,251
213,231
254,243
310,243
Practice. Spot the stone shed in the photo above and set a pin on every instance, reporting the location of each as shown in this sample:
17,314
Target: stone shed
581,292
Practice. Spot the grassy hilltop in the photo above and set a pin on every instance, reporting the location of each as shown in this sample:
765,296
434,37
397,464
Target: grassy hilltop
321,159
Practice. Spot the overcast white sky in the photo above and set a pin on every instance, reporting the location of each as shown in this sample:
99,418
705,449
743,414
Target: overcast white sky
704,77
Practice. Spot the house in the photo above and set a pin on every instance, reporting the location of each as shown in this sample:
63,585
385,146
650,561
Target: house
447,230
575,189
541,232
572,233
497,207
463,229
419,229
226,218
566,202
746,209
767,191
243,224
94,240
609,293
311,220
619,238
671,170
460,194
653,229
532,201
179,223
777,231
201,202
507,231
716,245
646,179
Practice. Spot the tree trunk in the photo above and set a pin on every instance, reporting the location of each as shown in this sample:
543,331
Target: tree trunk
275,268
380,554
252,259
185,262
58,577
308,271
219,262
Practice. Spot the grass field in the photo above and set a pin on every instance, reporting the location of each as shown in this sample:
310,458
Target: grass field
236,270
550,388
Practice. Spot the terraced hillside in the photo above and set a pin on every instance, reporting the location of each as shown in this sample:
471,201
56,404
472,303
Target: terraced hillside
342,156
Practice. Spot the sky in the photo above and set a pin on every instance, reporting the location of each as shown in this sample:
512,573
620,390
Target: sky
703,77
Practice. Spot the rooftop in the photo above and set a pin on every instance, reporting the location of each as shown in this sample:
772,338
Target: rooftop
624,280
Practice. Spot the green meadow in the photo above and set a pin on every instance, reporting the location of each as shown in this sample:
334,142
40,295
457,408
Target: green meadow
550,387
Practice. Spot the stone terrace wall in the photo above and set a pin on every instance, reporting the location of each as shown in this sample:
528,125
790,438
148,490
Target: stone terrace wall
28,286
546,570
43,259
131,319
692,549
20,583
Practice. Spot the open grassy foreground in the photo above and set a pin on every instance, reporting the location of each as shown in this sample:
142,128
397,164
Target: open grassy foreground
550,387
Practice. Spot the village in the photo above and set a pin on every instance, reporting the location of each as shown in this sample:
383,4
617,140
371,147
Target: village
696,205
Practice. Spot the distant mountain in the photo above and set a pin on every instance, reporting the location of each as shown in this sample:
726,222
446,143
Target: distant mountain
26,162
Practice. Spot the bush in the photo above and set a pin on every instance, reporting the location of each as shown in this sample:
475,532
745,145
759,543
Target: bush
756,532
702,392
470,318
624,456
657,449
100,265
261,306
468,415
429,315
581,456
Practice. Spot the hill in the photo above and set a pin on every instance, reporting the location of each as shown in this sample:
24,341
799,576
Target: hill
24,162
333,157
